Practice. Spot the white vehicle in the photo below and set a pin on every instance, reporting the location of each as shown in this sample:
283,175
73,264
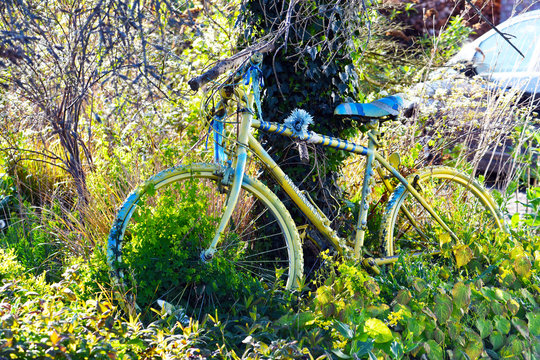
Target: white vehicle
493,58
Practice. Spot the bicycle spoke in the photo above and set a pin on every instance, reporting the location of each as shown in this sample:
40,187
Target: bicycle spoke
266,252
258,229
184,215
456,200
226,247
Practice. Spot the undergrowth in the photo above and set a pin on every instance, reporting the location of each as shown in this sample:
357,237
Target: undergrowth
477,301
486,306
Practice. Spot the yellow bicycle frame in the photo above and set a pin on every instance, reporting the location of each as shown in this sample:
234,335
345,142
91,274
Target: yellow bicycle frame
246,141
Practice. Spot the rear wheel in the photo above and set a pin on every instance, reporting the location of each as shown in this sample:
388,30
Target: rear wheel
162,228
463,204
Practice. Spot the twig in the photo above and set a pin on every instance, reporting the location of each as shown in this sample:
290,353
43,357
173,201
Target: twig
494,27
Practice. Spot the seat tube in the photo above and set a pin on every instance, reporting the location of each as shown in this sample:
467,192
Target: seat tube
364,202
241,159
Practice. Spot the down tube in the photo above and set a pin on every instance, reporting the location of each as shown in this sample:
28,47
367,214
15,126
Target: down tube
317,218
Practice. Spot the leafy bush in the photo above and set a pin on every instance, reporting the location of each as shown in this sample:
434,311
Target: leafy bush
40,320
165,247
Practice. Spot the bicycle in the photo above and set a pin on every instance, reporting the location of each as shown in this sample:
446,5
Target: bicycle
244,229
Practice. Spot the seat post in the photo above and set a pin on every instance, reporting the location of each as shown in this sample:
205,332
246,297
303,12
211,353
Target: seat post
373,135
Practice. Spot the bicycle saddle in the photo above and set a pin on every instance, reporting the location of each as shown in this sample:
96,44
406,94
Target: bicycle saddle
387,106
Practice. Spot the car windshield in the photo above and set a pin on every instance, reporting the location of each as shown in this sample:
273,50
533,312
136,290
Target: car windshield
499,54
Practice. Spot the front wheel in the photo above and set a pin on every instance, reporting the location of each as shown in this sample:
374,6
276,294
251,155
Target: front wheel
462,203
161,230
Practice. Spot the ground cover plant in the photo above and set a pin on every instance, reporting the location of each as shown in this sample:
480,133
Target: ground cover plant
69,157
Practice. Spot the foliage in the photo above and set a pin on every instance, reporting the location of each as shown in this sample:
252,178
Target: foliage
129,135
41,320
164,254
532,216
478,300
331,52
123,56
458,316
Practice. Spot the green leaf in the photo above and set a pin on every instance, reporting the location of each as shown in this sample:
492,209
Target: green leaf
534,323
474,347
444,239
514,221
489,293
462,295
512,187
463,255
497,308
496,339
376,310
521,327
403,297
492,354
433,350
502,295
415,327
363,347
419,285
340,354
529,297
324,295
485,327
453,330
344,330
522,266
502,324
378,330
442,308
396,350
512,306
438,335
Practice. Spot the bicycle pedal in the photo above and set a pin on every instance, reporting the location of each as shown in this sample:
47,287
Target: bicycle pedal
415,184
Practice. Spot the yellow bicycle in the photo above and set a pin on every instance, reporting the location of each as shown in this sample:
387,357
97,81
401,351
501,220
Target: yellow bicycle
215,228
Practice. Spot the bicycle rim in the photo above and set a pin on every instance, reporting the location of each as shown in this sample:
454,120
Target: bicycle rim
460,201
162,228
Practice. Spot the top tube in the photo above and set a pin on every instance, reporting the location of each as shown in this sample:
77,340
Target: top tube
313,138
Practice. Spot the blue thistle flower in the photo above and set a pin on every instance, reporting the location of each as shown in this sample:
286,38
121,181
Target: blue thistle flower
298,122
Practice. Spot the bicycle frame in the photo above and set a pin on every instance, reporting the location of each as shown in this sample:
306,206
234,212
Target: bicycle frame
247,141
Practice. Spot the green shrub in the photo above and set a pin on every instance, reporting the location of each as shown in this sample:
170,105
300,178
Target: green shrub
163,253
40,320
11,269
35,247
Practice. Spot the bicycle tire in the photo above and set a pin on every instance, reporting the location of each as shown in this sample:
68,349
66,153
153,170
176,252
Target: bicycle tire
464,205
171,203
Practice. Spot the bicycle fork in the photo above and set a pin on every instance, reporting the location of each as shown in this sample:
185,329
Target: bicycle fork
239,168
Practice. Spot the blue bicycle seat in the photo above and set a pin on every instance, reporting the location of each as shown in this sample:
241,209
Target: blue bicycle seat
387,106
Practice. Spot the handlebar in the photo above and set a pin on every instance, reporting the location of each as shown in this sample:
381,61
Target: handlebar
222,66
